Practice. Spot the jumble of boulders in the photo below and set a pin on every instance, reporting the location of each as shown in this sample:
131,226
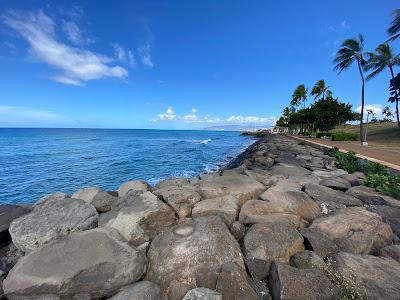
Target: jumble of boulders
285,223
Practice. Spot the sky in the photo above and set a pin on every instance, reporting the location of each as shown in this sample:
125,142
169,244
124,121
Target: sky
178,64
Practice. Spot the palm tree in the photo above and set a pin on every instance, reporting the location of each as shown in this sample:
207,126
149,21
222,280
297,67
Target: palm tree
319,89
383,58
352,50
299,95
394,29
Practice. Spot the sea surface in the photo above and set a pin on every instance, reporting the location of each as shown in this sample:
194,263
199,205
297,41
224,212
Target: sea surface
36,162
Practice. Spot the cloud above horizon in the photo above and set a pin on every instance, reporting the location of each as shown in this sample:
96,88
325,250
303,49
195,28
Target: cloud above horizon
192,117
377,110
26,115
77,65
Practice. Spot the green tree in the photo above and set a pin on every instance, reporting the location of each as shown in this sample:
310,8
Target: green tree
320,89
387,112
299,95
394,28
383,58
352,50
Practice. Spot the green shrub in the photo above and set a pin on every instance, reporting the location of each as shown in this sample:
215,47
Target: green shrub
321,134
369,167
385,184
344,136
347,161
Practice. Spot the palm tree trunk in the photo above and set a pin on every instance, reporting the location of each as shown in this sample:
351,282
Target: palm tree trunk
362,136
397,98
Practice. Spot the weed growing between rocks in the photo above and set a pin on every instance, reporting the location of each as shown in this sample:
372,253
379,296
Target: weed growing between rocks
348,288
386,184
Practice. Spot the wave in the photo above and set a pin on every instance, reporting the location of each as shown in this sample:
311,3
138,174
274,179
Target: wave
205,141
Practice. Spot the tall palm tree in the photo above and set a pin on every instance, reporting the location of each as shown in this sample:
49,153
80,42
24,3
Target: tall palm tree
319,89
383,58
299,95
394,28
352,51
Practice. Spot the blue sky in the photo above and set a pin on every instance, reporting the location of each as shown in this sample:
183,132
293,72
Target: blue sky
176,64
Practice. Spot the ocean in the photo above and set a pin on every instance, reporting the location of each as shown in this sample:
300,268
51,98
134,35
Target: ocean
36,162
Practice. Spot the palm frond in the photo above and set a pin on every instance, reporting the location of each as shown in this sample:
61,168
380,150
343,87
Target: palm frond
394,28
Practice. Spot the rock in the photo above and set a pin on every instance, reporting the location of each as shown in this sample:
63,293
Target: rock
51,197
307,260
328,174
225,207
190,247
336,183
136,185
178,289
264,243
8,213
319,242
289,170
95,262
289,158
389,215
283,199
259,211
138,216
181,199
331,198
390,201
392,251
171,182
367,195
262,176
266,162
202,294
233,283
355,179
206,278
50,221
142,290
100,199
237,229
355,230
378,277
289,283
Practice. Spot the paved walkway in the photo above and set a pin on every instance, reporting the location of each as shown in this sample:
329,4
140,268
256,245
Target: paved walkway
385,157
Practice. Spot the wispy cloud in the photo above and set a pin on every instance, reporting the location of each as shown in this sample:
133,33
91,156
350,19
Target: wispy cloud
123,55
144,52
25,115
77,65
193,117
74,34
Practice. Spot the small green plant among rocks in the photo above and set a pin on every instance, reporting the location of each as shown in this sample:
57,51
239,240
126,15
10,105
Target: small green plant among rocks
385,184
348,289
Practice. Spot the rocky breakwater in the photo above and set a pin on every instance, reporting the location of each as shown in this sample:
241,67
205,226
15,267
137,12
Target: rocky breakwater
280,222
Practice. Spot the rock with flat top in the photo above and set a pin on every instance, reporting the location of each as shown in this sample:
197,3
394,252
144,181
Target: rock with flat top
355,179
180,198
289,170
367,195
370,276
51,197
336,183
225,207
265,243
172,182
307,260
202,293
290,283
392,251
183,251
328,173
389,215
94,262
138,216
355,230
319,242
136,185
142,290
100,199
50,221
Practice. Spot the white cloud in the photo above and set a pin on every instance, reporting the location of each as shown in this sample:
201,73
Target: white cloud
251,120
377,110
123,55
194,110
131,58
74,33
345,25
77,65
145,55
169,115
24,115
191,118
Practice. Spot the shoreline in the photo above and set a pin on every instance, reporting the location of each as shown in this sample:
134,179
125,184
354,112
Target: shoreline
260,227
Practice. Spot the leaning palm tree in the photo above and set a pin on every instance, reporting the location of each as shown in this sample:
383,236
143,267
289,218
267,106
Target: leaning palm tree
352,51
383,58
299,95
394,28
319,89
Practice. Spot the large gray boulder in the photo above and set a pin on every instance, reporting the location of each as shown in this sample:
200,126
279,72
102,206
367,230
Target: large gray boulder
50,221
367,195
136,185
180,198
142,290
93,262
100,199
307,260
180,253
389,215
172,182
265,243
51,197
371,276
227,207
138,216
283,198
355,230
290,283
8,213
319,242
336,183
202,294
392,251
289,170
332,199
